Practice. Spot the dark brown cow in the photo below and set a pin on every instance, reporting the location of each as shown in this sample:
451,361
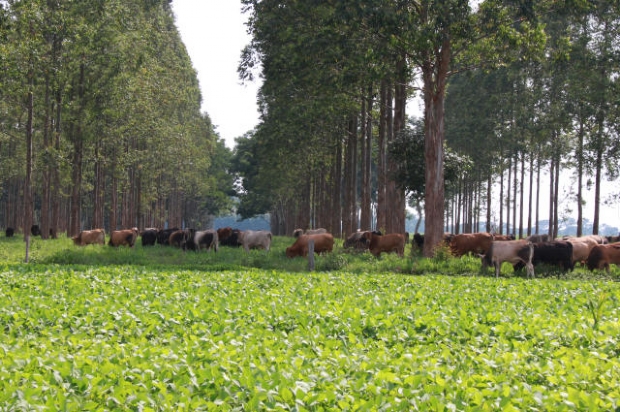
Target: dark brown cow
601,256
323,242
90,237
390,243
476,243
183,238
233,239
512,251
126,237
356,241
9,232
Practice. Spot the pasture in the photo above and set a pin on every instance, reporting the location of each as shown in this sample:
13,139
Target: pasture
97,328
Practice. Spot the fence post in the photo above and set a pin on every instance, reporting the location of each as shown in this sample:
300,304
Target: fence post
311,255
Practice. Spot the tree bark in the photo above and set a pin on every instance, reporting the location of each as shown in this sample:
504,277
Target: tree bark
435,74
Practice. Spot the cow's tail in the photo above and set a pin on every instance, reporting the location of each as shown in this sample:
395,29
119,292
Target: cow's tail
529,265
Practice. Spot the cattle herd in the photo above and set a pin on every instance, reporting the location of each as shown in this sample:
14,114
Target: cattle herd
593,251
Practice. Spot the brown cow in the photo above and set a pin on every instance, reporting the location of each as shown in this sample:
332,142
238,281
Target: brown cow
90,237
299,232
356,241
323,242
476,243
392,242
601,256
126,237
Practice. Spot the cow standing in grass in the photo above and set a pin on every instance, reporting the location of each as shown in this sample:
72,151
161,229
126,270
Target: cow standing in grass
390,243
323,242
89,237
511,251
256,239
206,239
601,256
126,237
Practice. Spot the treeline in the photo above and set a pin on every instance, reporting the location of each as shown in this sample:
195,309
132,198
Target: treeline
100,122
510,90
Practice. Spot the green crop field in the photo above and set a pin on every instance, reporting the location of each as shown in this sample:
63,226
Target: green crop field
98,328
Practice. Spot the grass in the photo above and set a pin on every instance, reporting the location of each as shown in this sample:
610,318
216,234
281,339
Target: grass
62,252
157,329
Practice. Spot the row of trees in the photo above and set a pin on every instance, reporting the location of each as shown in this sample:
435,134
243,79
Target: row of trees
100,122
337,76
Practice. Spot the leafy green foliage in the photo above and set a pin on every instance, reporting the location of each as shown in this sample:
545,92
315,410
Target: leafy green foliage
133,336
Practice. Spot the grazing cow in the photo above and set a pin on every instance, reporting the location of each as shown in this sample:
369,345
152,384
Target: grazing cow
512,251
392,242
323,242
418,240
356,241
256,239
126,237
536,238
475,243
232,240
207,239
601,256
35,230
149,237
183,239
163,236
90,237
9,232
556,253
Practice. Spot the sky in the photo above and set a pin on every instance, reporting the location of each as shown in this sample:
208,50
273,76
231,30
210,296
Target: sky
214,34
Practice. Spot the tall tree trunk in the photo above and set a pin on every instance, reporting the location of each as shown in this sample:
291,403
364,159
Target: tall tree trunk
552,196
366,216
78,144
397,194
435,75
556,202
580,166
508,198
384,127
530,196
350,186
489,193
28,205
336,205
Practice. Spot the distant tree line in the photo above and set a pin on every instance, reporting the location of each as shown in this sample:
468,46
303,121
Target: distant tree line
100,122
510,89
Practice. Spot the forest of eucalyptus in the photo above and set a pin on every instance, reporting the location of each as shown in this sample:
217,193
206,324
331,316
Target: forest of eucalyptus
526,87
100,122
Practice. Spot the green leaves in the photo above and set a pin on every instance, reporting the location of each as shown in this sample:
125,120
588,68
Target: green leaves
160,339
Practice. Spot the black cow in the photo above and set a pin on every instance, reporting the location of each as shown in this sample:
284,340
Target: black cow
183,238
555,253
149,237
163,235
9,232
232,238
35,230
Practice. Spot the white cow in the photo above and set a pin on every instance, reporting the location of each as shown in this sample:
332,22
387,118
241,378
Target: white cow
256,239
512,251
